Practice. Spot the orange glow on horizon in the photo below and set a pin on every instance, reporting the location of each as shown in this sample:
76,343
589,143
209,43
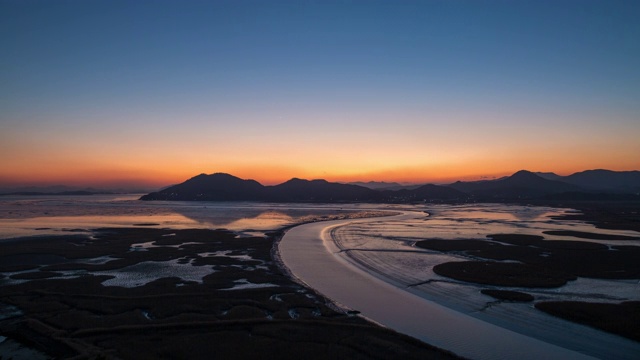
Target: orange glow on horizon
147,178
150,164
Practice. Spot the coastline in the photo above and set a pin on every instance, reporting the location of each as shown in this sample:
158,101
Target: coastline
330,256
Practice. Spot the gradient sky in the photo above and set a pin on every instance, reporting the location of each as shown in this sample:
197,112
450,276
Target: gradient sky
154,92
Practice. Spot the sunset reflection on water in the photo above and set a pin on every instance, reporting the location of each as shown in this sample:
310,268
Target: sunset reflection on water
44,215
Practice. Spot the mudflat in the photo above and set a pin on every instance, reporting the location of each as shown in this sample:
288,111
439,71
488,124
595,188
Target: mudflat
540,262
149,293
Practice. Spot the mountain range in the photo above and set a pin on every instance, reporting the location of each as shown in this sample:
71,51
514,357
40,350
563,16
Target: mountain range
523,185
601,180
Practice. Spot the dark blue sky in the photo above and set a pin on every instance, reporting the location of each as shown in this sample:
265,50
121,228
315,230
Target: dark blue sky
393,87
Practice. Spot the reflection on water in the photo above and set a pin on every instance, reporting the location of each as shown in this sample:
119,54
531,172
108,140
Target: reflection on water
267,220
209,218
81,224
42,215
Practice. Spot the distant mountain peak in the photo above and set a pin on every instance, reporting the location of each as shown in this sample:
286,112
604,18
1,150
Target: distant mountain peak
607,180
524,173
524,177
528,178
223,175
523,184
217,175
296,180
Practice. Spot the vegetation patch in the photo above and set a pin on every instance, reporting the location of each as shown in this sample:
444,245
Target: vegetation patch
622,319
502,274
576,258
507,295
170,317
589,235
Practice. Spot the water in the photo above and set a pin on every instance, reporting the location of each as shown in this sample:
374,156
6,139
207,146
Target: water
387,246
23,216
45,215
372,267
384,247
476,222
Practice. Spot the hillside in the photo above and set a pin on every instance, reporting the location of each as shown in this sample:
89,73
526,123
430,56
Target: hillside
523,185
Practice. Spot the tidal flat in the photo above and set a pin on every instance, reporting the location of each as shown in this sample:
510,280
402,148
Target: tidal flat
192,293
481,259
86,277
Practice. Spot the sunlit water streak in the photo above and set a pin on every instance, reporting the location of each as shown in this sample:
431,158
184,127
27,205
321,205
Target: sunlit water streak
78,215
45,215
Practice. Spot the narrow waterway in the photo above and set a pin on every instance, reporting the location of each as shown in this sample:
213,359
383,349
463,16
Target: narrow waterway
312,256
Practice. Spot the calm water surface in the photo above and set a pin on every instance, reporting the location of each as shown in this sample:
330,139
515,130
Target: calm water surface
43,215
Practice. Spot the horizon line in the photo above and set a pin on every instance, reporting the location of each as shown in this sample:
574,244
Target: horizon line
155,184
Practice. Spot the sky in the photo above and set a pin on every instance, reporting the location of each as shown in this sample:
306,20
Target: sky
151,93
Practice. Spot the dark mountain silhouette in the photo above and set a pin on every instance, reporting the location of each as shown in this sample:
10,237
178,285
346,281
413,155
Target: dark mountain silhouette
427,192
470,187
431,191
549,176
320,191
225,187
378,185
523,184
215,187
601,180
606,180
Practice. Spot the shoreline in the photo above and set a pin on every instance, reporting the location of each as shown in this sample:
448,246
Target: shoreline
334,256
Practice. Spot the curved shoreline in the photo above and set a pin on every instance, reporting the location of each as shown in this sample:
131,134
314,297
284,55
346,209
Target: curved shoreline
313,258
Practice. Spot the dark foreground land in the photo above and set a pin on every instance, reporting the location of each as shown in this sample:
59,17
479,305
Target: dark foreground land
220,316
529,261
